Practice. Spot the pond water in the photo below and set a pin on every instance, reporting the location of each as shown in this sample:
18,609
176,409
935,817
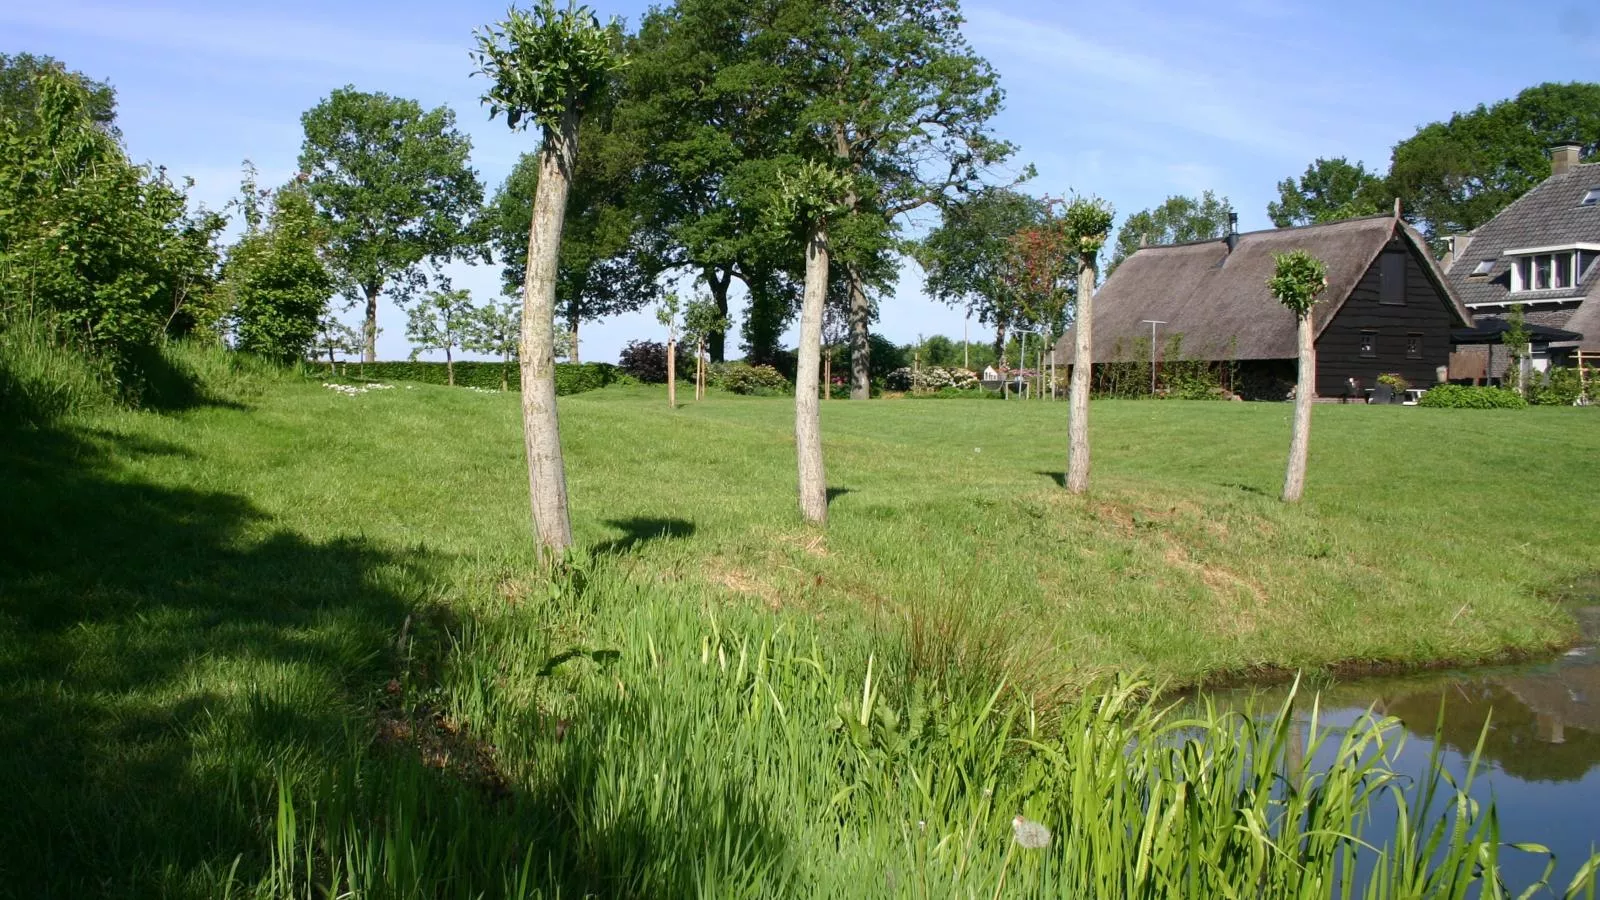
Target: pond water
1541,759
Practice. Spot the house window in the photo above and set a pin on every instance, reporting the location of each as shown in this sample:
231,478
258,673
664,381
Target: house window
1413,346
1562,277
1369,343
1544,271
1485,266
1392,279
1592,198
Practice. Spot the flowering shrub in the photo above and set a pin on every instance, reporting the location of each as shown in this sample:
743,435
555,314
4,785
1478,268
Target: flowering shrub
932,378
743,378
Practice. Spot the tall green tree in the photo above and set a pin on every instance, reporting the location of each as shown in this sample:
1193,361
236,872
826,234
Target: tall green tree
965,257
1297,281
394,184
19,97
275,278
1330,190
609,259
898,99
546,68
705,98
1455,175
1178,220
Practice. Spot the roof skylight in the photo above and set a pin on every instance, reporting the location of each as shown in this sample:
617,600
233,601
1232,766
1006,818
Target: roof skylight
1483,267
1592,198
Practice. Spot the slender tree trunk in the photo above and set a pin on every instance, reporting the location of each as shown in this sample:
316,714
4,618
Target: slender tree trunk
672,373
573,356
807,421
449,368
1294,480
700,370
827,375
505,364
1082,368
369,336
717,341
860,331
547,479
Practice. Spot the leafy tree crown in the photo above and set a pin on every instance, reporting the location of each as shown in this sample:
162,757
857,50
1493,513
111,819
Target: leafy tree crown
1087,223
544,63
1298,280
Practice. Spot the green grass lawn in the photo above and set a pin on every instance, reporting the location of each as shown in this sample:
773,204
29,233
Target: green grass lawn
198,608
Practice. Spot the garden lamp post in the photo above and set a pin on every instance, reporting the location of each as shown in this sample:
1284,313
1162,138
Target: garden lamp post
1152,323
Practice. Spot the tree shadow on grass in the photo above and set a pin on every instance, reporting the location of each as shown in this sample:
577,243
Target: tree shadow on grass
642,530
835,493
162,649
1060,478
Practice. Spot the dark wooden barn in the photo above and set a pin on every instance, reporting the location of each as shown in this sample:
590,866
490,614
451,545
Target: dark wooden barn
1388,307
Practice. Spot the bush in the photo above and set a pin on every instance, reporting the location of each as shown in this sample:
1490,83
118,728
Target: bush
647,361
40,380
1457,396
570,378
1557,387
935,378
752,381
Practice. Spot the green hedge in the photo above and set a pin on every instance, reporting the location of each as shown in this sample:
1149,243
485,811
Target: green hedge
1458,396
570,378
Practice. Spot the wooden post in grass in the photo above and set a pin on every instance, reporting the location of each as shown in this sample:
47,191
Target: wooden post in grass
1088,222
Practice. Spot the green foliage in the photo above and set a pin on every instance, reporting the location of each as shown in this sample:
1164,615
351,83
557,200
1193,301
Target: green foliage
964,258
702,319
1087,223
496,329
957,393
1558,386
443,320
1330,190
544,63
20,79
1459,396
753,381
103,254
1455,175
1395,381
1298,280
609,261
647,361
394,187
276,282
571,378
1178,220
41,381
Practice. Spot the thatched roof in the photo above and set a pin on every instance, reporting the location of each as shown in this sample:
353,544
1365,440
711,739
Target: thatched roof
1219,300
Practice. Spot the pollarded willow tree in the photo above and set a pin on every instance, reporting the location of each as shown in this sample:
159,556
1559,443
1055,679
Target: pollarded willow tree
546,67
902,103
809,197
1297,281
1086,222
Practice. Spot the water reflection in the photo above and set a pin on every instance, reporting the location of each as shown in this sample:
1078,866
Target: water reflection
1541,754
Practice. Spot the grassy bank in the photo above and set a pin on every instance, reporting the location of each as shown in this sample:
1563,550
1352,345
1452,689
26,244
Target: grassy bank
285,637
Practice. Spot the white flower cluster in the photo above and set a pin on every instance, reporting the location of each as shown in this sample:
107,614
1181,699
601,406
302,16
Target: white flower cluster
480,390
932,378
351,390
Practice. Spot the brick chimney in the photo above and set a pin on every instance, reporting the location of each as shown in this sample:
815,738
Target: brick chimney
1563,157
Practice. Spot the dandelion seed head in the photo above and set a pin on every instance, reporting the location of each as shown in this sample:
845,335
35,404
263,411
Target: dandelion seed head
1030,835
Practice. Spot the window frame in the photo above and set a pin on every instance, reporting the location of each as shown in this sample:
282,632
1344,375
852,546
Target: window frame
1590,197
1392,290
1484,267
1369,344
1414,345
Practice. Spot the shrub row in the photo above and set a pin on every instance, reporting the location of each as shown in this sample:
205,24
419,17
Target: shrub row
1458,396
570,378
754,381
956,393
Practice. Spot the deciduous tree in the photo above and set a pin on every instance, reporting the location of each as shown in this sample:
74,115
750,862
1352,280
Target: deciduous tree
274,276
1455,175
547,68
1176,221
395,187
965,256
1330,190
442,321
496,329
701,320
1297,281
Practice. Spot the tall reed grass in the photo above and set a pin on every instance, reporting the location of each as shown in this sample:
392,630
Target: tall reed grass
691,750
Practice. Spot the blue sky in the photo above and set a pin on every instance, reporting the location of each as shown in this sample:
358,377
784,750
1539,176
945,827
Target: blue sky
1132,101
